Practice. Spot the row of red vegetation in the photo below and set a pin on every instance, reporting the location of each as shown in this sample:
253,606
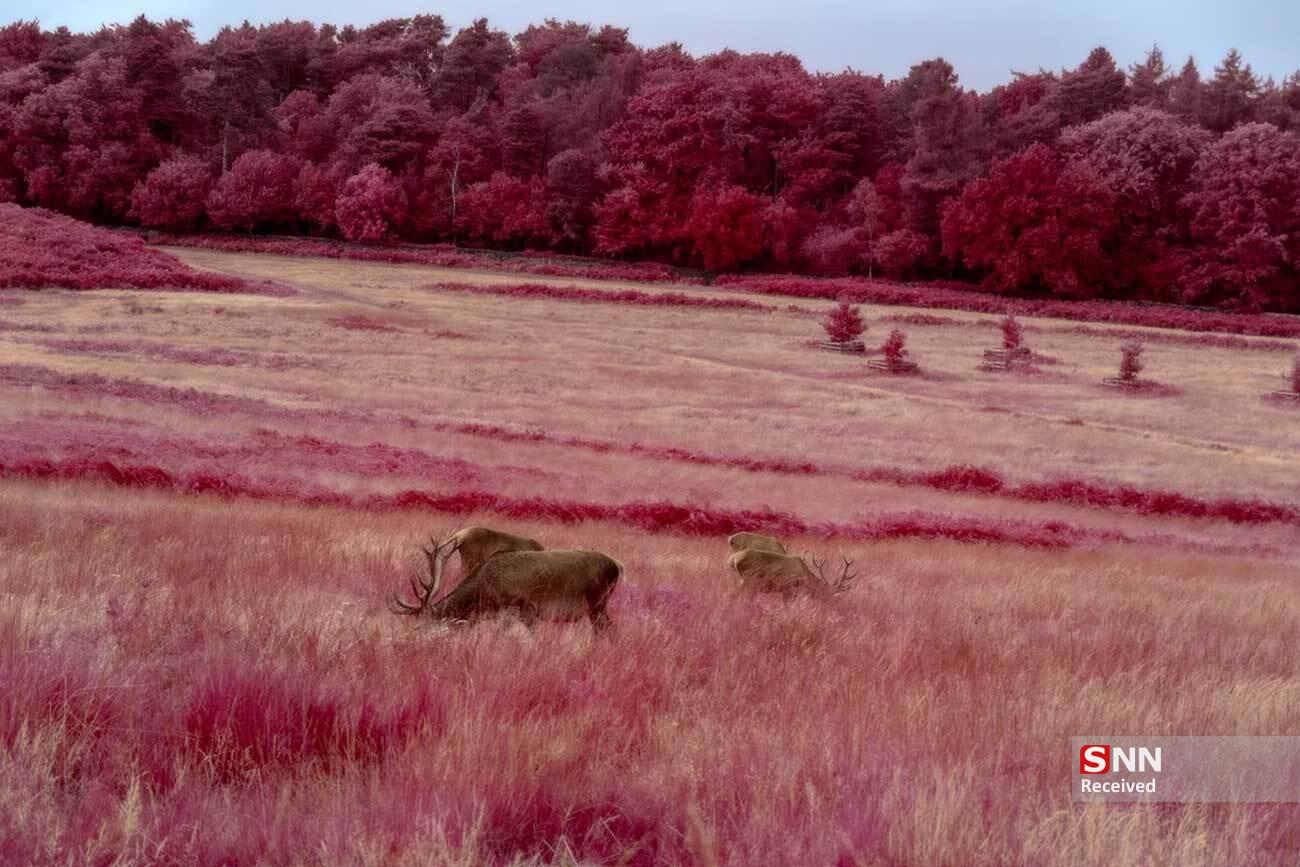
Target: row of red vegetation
40,249
956,478
605,296
651,517
960,478
863,291
434,255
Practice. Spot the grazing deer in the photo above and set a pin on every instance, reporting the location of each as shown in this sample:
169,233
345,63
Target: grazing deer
769,572
755,542
554,585
476,545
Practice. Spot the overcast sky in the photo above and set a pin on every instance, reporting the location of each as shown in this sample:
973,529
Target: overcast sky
984,39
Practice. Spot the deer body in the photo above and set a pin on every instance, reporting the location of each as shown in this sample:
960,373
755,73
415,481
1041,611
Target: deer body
551,585
770,572
755,542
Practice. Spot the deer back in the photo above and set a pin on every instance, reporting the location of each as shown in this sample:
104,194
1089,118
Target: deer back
746,541
770,572
477,544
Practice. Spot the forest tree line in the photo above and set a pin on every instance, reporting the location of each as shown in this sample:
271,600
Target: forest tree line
1152,182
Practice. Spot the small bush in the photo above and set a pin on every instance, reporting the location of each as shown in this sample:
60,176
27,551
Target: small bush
1130,363
843,323
1012,337
894,348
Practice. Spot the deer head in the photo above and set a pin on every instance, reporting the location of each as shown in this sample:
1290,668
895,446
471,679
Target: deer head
426,592
840,584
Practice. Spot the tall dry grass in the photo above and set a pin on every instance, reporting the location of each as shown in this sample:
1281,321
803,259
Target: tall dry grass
196,681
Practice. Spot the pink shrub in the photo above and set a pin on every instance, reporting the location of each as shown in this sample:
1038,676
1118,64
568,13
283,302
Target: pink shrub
1012,337
40,249
843,323
894,348
1130,364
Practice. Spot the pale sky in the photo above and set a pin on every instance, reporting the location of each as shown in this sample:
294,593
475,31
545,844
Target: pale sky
983,39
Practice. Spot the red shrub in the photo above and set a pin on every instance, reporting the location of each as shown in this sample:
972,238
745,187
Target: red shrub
843,323
1130,363
894,348
1011,333
40,249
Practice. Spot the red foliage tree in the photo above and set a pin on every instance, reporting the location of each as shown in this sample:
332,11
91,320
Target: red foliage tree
259,190
82,143
1145,157
172,196
1096,88
315,192
1245,220
902,253
1034,223
572,187
843,323
1012,336
505,210
726,226
894,349
371,205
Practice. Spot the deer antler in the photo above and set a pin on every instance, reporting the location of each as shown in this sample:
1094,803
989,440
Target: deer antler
839,585
425,591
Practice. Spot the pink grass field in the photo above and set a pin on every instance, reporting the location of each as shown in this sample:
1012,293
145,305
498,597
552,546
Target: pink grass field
205,499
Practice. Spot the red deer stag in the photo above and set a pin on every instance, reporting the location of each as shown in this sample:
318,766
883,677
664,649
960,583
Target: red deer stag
770,572
554,585
755,542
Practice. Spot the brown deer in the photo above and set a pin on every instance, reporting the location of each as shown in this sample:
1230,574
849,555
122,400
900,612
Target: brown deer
476,545
755,542
770,572
553,585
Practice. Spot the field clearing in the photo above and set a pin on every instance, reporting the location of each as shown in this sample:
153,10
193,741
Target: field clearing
193,678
